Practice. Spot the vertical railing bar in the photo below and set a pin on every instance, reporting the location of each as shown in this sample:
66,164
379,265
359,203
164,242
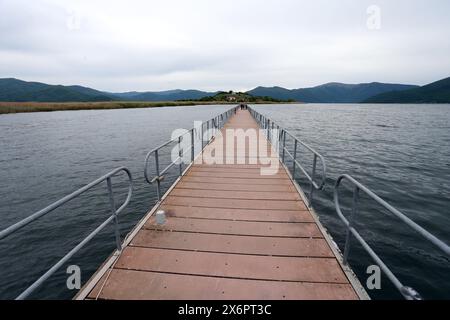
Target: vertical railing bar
192,145
114,214
158,181
350,224
295,160
217,125
201,138
313,176
271,132
180,155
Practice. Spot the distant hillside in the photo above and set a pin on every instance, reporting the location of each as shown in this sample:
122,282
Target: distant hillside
436,92
170,95
331,92
14,90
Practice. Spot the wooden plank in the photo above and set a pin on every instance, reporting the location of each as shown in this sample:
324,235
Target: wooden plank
238,214
135,285
268,229
222,194
235,203
251,182
239,159
230,166
274,188
239,175
324,270
272,246
215,169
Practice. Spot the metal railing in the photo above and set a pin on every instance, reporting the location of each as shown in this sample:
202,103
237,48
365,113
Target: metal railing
281,134
407,292
207,130
114,217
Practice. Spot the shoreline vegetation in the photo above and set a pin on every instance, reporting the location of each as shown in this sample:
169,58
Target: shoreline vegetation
27,107
224,98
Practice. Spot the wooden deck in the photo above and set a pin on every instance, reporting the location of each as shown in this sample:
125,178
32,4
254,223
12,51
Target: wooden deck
231,233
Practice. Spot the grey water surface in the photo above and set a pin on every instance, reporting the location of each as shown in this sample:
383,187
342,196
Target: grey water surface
402,152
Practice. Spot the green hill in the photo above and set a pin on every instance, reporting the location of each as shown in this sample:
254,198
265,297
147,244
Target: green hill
436,92
333,92
14,90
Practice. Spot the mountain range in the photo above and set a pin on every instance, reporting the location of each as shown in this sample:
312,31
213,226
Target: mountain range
333,92
436,92
14,90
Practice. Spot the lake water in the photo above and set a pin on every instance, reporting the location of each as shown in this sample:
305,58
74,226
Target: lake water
402,152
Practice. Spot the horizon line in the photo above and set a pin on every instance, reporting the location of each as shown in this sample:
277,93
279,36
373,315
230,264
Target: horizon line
215,91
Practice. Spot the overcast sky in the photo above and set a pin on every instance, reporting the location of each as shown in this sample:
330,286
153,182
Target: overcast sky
211,45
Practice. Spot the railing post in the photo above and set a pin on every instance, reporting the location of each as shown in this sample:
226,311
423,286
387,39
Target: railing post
313,175
180,156
272,130
114,213
295,159
192,145
158,182
284,145
201,138
350,224
217,126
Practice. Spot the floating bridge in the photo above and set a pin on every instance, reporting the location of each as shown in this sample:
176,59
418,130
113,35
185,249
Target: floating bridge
230,233
234,225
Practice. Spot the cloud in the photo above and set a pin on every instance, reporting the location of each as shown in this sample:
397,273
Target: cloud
153,45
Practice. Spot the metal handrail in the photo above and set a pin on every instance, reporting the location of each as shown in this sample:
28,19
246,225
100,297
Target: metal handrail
270,125
215,124
408,292
114,216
